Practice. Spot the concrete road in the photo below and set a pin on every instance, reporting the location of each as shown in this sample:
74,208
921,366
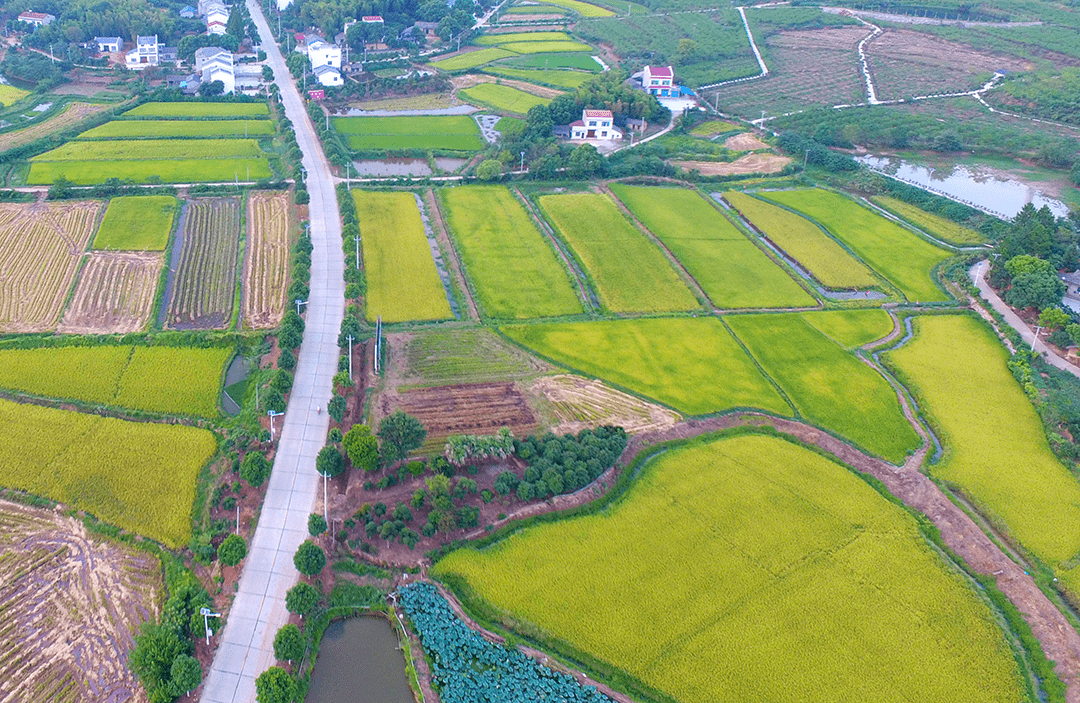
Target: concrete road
246,647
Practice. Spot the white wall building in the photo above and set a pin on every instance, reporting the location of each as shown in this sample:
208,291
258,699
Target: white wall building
282,4
595,124
322,54
144,54
36,18
328,75
213,63
109,44
657,80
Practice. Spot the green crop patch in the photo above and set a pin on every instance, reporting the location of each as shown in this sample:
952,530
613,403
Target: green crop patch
493,39
557,78
850,328
403,283
9,95
582,8
472,59
544,47
137,223
503,98
170,380
166,171
630,272
902,257
995,445
546,61
513,269
448,132
443,357
715,127
692,365
137,475
830,387
731,269
937,226
163,129
153,149
193,110
804,241
750,569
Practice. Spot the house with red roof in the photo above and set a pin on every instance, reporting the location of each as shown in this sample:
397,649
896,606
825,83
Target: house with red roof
659,81
595,124
36,18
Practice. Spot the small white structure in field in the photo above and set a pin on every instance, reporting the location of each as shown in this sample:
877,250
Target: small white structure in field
595,124
109,44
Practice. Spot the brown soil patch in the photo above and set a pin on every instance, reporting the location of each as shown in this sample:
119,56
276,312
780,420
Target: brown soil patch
479,408
266,258
72,114
750,163
72,604
580,404
115,293
745,142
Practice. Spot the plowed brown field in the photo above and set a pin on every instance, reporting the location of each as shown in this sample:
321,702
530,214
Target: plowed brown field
479,408
266,260
115,293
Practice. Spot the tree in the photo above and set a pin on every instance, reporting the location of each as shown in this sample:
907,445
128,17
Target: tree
1025,263
584,161
232,550
211,89
316,524
235,25
289,643
275,686
268,74
255,468
506,483
301,598
1040,290
309,559
298,64
336,408
401,434
329,462
489,170
362,448
186,673
156,647
1053,318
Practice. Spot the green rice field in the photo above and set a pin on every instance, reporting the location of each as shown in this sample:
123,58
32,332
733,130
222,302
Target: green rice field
556,78
402,282
543,47
829,386
199,109
9,95
850,328
546,61
447,132
932,224
693,365
169,171
582,8
902,257
748,569
805,242
715,127
162,129
137,223
534,10
153,149
513,270
502,98
995,446
494,39
731,269
471,59
630,273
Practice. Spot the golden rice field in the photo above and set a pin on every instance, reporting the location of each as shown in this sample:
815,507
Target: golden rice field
115,293
139,476
850,328
266,258
751,569
934,225
43,244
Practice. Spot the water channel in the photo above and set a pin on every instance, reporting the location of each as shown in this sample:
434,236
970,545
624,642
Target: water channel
360,662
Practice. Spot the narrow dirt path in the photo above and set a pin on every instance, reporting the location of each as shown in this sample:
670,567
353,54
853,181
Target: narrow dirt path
443,238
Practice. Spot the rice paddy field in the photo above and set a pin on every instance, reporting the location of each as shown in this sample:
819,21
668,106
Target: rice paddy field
170,380
447,132
160,149
204,283
186,110
805,242
582,8
9,95
512,269
403,283
137,223
503,98
774,574
545,47
850,328
936,226
731,269
557,78
163,129
630,273
472,59
995,446
580,62
899,255
139,476
495,39
223,170
693,365
828,386
713,128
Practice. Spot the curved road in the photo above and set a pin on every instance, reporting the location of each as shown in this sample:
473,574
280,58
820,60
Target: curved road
246,646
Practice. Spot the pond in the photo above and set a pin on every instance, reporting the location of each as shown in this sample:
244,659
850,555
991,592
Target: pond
981,187
232,395
359,662
391,167
449,164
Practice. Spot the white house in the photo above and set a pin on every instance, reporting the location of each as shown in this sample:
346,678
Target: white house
282,4
372,19
328,75
109,44
658,80
144,54
206,5
218,72
207,55
595,124
36,18
215,27
321,53
213,63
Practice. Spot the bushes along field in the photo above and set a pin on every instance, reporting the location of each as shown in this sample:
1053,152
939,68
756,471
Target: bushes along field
450,132
692,365
730,268
831,594
935,225
617,256
205,280
803,241
162,129
503,98
172,380
137,223
137,475
402,281
472,59
513,270
266,258
903,258
195,110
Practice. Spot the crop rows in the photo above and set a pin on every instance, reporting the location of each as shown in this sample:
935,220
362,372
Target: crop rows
493,39
443,357
943,229
73,113
453,132
161,129
266,258
472,59
560,79
115,293
205,279
193,109
43,244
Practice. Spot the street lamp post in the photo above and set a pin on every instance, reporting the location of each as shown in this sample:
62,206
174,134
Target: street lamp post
207,614
272,415
298,304
522,168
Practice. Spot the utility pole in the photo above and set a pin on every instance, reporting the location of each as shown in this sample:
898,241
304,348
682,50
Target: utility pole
357,242
325,512
522,168
350,356
1036,337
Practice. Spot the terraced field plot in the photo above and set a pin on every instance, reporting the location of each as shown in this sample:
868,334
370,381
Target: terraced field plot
939,227
139,476
631,274
495,39
115,293
70,644
714,127
43,244
472,59
448,132
172,380
205,279
796,581
71,114
9,94
162,129
503,98
580,404
829,387
692,365
513,270
730,268
403,283
266,258
546,61
545,47
150,149
995,446
137,223
804,241
902,257
557,78
184,110
582,8
850,328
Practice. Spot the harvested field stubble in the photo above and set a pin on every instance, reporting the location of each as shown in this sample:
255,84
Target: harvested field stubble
581,404
43,244
266,258
747,163
205,280
115,293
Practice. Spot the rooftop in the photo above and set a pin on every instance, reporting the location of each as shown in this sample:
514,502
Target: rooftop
598,113
660,71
